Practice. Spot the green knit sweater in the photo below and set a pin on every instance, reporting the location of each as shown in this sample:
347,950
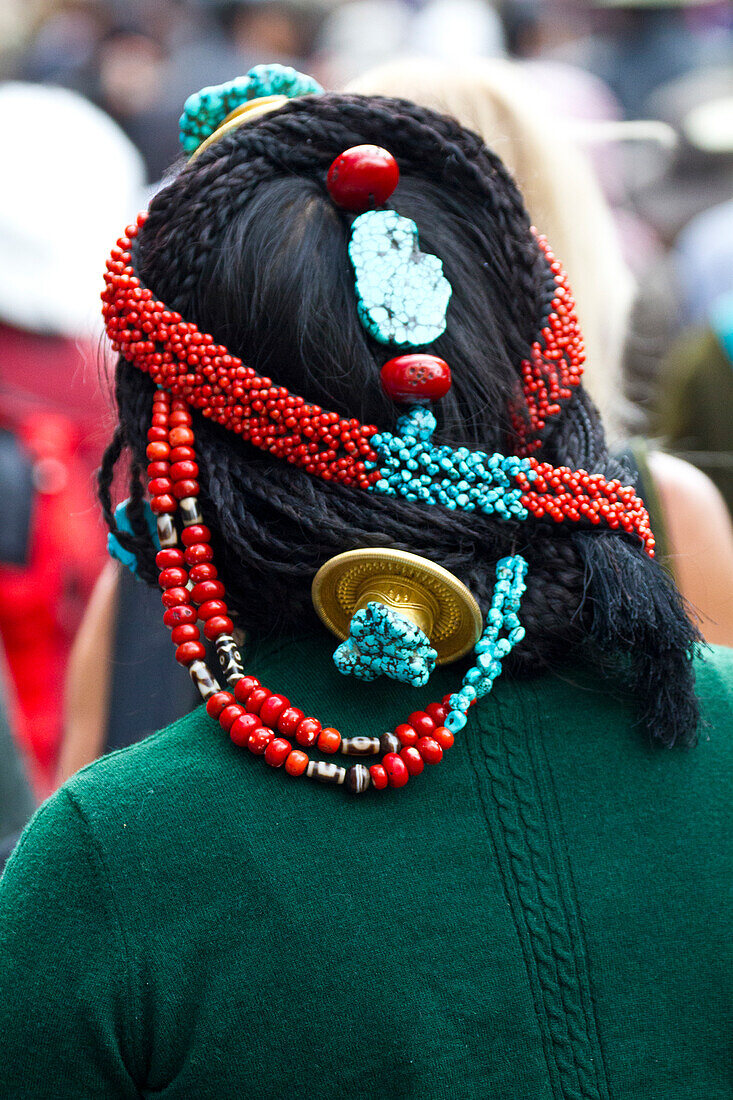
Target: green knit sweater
545,915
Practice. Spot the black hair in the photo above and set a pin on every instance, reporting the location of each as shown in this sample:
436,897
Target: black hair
246,243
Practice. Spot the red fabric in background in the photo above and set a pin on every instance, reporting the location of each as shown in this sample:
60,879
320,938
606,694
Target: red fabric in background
51,399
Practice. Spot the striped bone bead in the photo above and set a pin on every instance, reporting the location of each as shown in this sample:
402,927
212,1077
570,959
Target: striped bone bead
203,679
325,773
389,742
360,746
167,535
190,511
358,778
229,658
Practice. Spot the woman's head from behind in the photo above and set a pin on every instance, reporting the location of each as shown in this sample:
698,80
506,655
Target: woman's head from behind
247,243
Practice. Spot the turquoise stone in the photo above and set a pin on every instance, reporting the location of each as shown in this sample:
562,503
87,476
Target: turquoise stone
402,294
204,111
383,642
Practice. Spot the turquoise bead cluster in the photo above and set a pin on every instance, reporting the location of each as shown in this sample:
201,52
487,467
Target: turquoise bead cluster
413,467
383,642
204,111
490,649
115,549
402,294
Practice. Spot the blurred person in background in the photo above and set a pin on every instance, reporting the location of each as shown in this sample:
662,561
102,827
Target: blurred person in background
62,199
497,100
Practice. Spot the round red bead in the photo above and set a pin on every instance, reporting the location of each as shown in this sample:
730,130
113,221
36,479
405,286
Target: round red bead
296,762
406,734
256,698
379,777
289,720
174,596
443,736
212,607
167,559
216,625
272,708
362,177
396,769
277,752
229,714
422,723
173,578
199,552
308,732
437,712
417,378
197,532
189,652
215,703
207,590
413,760
242,727
244,687
177,616
429,750
259,738
329,740
187,632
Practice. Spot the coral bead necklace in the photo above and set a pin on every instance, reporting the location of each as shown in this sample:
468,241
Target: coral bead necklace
254,717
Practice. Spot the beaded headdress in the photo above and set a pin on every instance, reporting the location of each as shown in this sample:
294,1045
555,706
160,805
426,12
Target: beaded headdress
396,613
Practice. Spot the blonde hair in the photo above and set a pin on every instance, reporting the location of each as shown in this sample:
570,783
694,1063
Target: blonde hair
564,201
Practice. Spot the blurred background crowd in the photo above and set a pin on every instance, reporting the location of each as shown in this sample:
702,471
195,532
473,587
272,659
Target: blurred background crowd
617,119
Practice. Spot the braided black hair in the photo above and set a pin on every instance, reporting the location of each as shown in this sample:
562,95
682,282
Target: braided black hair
246,243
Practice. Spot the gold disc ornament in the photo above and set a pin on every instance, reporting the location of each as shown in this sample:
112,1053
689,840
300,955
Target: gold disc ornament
425,593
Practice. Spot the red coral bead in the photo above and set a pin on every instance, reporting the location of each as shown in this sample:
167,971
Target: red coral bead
329,740
430,750
197,532
230,713
289,720
437,712
296,762
215,703
199,552
244,687
417,378
256,698
173,578
396,769
189,652
413,760
242,727
259,738
422,723
212,607
177,616
362,177
379,777
443,736
277,752
406,734
185,633
167,559
271,709
218,624
308,731
172,597
207,590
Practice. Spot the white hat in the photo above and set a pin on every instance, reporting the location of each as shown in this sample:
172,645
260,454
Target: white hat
71,182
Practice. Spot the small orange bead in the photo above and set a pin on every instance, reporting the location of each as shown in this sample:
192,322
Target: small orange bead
296,763
329,740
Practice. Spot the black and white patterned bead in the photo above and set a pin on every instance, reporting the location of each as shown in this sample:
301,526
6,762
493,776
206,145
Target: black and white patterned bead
190,511
229,658
326,773
203,679
167,534
360,746
358,779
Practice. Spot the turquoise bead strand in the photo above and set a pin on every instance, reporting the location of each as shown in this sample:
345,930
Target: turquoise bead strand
491,648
